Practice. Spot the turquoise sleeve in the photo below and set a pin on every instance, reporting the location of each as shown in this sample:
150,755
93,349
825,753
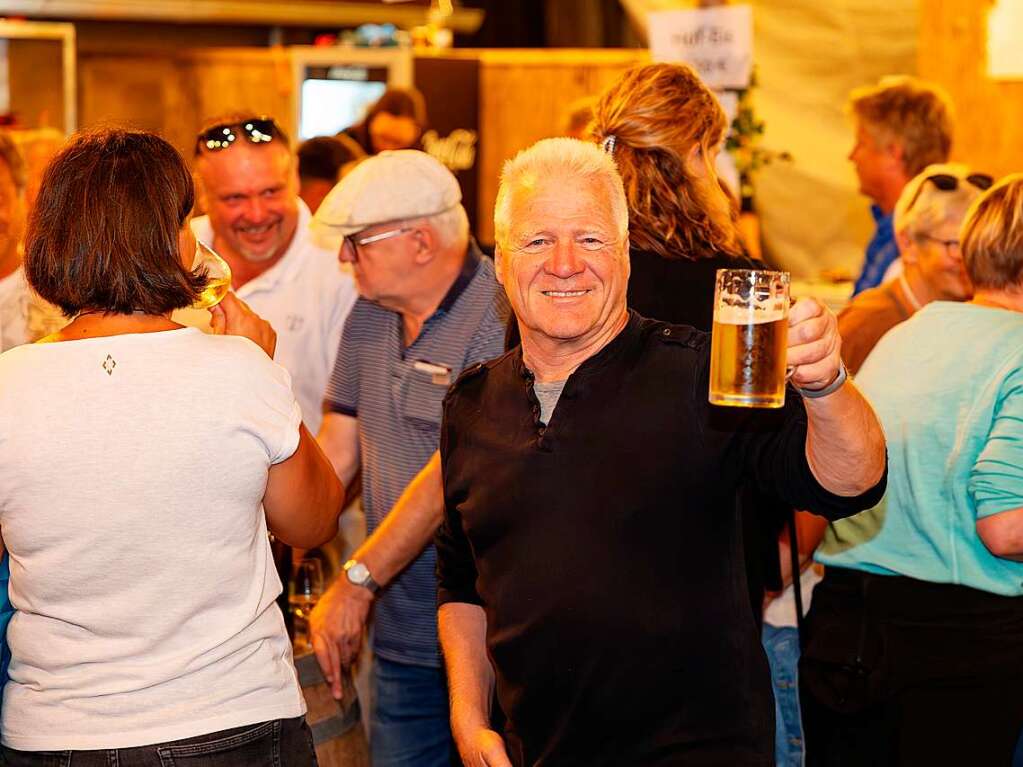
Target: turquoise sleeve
996,481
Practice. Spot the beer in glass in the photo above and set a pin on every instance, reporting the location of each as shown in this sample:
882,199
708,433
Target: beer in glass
750,337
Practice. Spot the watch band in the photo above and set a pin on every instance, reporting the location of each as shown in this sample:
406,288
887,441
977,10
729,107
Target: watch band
831,388
358,575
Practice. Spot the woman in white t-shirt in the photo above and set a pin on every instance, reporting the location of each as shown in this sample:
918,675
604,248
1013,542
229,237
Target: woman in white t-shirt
142,463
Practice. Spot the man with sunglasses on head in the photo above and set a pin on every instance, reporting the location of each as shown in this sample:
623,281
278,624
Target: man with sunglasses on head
429,307
902,125
927,218
248,184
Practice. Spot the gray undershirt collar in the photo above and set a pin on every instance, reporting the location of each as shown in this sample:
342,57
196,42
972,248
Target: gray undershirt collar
548,394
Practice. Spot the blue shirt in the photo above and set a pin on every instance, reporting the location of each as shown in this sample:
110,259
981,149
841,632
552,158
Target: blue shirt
947,385
396,393
881,251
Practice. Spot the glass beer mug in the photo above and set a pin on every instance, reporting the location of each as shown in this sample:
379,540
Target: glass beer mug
217,270
750,338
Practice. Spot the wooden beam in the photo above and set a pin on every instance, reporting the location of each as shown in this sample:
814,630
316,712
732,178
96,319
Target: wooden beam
270,12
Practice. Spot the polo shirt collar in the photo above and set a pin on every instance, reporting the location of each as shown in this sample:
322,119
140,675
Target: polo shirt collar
880,217
469,267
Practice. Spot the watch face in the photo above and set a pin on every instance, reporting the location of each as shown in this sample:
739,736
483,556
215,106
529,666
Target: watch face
358,573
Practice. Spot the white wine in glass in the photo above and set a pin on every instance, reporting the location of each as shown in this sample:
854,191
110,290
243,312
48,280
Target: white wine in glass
218,272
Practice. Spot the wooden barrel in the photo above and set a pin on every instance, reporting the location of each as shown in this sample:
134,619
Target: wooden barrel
336,724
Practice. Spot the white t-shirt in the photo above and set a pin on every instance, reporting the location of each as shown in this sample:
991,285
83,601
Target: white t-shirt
134,468
24,316
306,296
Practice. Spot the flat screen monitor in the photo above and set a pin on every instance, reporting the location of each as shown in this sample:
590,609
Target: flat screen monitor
336,97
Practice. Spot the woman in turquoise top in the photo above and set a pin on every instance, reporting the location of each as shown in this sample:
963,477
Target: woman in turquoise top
915,636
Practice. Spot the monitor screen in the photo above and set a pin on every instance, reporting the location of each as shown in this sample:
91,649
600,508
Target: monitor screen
334,98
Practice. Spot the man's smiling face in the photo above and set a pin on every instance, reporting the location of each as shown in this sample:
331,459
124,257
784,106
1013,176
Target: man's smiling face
563,263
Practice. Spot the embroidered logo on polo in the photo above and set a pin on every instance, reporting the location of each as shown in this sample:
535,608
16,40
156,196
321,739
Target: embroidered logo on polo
294,322
109,364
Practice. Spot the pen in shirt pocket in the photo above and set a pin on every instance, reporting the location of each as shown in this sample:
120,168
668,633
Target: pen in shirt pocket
439,374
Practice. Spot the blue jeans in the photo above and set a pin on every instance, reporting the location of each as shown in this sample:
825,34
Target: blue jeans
409,724
278,743
782,646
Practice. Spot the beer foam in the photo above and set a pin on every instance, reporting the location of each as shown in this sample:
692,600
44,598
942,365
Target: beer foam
743,315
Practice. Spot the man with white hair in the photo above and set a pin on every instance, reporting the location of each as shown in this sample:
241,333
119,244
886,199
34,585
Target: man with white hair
927,218
590,560
429,307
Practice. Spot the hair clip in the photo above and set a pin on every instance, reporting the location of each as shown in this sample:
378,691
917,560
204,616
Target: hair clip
609,144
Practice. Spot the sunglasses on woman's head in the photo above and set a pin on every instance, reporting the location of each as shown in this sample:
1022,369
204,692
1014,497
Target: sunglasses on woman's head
257,130
946,182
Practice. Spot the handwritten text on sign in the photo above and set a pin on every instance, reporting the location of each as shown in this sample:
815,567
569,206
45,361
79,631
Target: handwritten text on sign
716,42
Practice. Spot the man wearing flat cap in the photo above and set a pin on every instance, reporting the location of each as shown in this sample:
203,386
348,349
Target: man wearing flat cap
429,306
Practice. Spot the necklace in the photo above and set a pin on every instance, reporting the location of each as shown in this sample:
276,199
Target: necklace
909,292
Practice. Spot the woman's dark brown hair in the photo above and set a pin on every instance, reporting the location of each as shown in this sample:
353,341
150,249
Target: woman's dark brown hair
400,102
103,235
657,113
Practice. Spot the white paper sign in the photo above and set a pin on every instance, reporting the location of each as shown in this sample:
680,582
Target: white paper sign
1005,40
716,42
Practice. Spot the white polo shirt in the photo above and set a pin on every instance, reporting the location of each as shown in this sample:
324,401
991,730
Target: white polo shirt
306,296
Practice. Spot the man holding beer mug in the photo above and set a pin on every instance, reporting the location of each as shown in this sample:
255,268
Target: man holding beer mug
590,562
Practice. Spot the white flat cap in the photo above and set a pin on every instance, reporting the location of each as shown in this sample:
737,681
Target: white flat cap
390,186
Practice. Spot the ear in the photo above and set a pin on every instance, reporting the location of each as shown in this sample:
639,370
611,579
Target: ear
426,243
202,202
897,153
907,247
499,263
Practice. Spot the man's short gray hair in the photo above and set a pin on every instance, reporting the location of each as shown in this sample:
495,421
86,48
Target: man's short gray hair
451,226
560,158
923,208
10,156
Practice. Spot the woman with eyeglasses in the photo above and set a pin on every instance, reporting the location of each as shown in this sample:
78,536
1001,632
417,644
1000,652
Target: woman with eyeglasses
142,463
927,218
915,635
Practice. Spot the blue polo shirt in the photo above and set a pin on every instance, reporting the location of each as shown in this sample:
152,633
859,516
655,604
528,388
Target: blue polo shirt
396,393
881,251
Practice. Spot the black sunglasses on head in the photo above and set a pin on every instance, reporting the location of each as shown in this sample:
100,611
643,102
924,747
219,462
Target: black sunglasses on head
946,182
257,130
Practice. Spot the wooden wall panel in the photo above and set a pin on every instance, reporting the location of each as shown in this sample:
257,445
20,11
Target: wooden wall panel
36,78
523,98
953,52
172,94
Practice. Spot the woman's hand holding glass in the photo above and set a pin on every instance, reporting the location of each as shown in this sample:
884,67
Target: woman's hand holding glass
232,316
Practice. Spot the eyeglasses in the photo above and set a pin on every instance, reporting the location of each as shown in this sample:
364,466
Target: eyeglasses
257,130
946,182
947,244
355,241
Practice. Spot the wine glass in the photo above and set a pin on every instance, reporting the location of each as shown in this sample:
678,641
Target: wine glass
306,590
218,272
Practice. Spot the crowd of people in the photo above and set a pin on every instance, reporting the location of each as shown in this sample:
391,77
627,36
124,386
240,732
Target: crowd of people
568,555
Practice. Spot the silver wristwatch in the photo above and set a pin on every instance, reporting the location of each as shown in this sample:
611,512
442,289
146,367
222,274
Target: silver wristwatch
358,575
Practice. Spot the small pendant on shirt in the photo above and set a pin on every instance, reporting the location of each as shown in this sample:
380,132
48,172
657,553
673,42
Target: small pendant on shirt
109,364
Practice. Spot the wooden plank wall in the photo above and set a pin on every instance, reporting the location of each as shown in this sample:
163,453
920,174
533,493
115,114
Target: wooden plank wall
524,96
172,93
953,52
